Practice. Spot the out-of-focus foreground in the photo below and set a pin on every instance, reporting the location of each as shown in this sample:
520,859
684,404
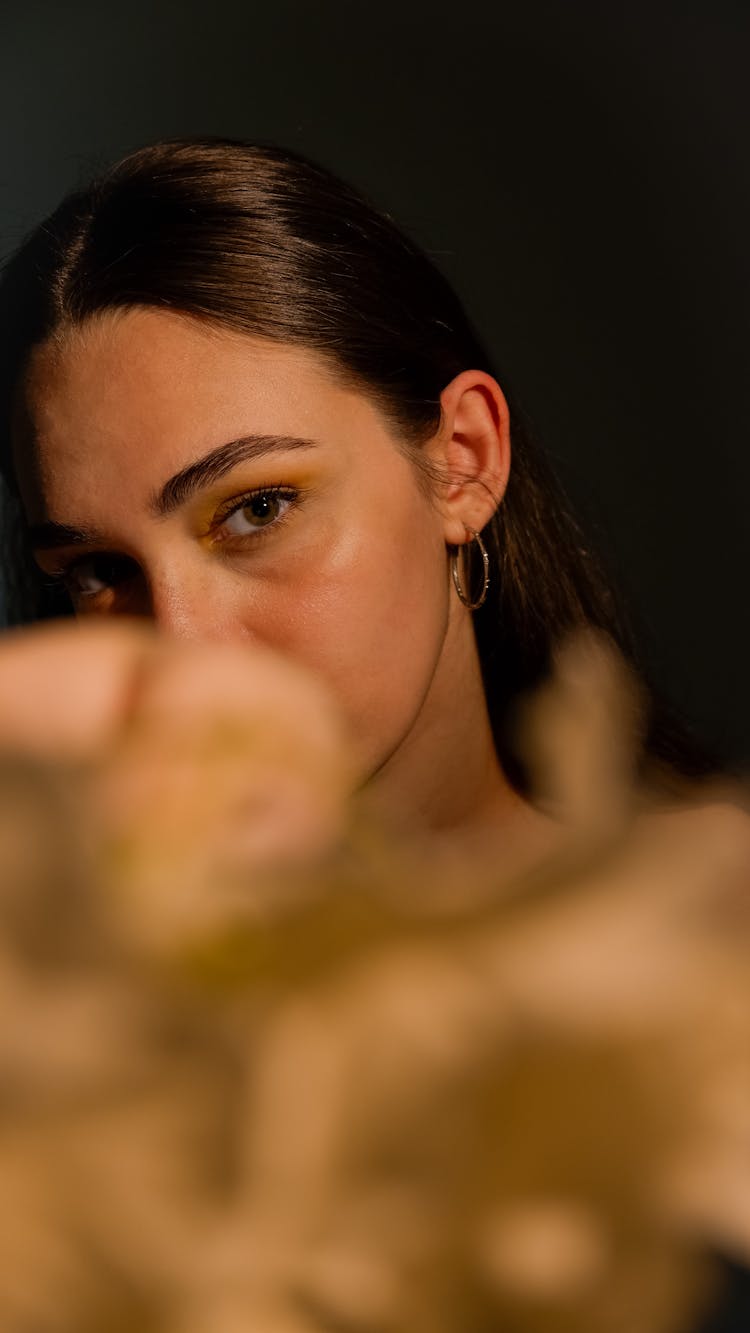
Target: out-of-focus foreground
263,1068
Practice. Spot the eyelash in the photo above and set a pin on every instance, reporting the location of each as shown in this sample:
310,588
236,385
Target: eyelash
238,503
65,574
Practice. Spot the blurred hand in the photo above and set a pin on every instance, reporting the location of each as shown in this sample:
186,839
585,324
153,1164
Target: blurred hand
201,759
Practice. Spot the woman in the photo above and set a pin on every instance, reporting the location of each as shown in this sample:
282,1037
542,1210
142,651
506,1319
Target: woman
244,405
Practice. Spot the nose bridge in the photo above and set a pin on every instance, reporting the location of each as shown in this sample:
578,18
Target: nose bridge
186,604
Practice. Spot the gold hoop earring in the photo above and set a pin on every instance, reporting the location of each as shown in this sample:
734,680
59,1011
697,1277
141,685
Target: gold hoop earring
472,606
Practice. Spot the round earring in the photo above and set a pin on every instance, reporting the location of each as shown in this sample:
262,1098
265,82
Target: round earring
472,606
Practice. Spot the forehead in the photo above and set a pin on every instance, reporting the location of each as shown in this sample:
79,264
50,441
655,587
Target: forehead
133,396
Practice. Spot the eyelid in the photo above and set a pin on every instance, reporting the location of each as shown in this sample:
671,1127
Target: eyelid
292,493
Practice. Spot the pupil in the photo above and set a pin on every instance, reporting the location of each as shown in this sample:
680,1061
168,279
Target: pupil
263,508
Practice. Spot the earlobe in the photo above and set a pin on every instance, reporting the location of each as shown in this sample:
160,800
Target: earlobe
472,449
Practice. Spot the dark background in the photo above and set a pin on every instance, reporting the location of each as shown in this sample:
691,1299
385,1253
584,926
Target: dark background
578,169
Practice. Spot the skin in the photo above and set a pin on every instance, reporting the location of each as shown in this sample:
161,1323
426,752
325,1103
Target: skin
344,569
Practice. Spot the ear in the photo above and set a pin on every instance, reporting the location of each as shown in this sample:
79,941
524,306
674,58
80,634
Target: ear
472,450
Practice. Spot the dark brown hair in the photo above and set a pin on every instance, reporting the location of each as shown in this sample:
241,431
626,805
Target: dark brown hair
264,241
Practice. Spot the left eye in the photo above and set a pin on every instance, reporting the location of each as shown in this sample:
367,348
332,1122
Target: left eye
257,511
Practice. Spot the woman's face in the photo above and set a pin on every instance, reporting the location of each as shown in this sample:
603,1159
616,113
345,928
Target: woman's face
229,487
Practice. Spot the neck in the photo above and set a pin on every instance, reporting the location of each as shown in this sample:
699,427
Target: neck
445,775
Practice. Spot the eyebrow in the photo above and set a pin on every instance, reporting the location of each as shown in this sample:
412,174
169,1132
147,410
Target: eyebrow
49,535
216,464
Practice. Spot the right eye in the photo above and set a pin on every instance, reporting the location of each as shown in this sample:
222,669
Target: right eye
96,573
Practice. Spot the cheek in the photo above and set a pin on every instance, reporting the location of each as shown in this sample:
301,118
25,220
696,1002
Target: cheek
370,616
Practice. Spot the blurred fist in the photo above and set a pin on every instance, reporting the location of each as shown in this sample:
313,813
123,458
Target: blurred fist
201,760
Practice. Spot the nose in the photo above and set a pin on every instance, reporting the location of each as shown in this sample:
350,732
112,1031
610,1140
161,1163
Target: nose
190,608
